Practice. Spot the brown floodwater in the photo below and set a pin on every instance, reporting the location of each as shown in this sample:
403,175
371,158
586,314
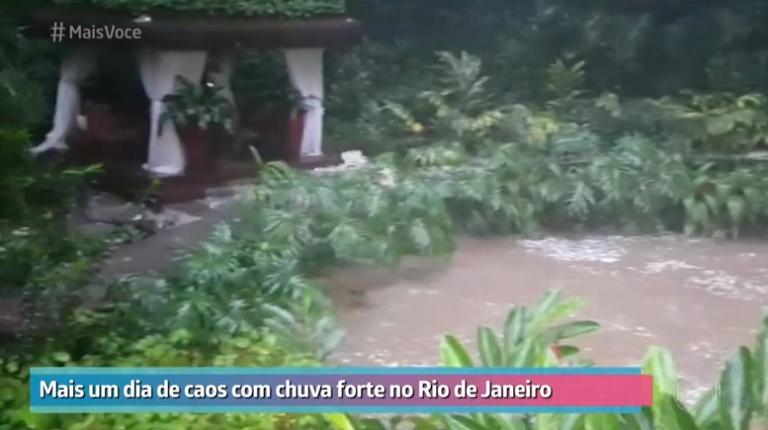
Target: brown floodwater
699,298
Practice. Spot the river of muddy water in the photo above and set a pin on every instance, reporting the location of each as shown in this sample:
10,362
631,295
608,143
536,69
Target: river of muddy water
699,298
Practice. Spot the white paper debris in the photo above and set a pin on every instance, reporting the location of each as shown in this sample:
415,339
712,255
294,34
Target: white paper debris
597,250
350,160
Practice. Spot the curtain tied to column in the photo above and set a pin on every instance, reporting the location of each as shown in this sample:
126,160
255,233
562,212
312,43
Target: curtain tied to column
305,68
159,71
74,70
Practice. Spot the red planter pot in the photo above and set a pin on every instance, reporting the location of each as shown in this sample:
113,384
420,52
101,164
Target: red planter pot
198,151
294,136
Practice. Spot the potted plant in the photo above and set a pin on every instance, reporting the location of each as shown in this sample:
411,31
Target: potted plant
282,114
200,114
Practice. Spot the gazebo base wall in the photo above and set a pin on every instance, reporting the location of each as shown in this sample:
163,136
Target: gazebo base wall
122,155
123,175
135,184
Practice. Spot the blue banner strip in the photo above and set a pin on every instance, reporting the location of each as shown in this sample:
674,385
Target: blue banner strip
339,409
46,384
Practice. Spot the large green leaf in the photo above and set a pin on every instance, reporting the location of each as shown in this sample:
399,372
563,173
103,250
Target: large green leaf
602,422
636,422
550,313
547,422
568,330
515,329
706,411
460,422
558,422
760,375
526,354
505,422
546,306
340,421
453,353
672,415
490,350
659,364
572,422
736,392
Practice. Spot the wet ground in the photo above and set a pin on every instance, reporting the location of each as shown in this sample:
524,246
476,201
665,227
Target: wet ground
699,298
157,253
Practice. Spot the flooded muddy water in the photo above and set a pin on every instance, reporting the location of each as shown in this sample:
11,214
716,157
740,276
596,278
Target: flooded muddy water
699,298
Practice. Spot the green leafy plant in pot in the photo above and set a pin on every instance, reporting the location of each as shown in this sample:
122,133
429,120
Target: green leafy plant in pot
200,114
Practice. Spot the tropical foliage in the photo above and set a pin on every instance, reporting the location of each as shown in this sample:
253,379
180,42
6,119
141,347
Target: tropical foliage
27,79
638,48
680,163
41,261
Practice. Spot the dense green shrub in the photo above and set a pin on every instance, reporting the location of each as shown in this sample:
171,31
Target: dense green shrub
31,191
34,202
176,349
39,259
237,301
679,163
28,77
368,216
28,191
647,48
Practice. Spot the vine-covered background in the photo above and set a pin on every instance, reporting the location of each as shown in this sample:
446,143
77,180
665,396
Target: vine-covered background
251,8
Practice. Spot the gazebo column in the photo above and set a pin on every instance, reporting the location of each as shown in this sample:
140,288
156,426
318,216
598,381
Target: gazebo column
159,70
74,70
305,68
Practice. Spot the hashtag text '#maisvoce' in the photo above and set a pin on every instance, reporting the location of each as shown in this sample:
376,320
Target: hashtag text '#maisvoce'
61,31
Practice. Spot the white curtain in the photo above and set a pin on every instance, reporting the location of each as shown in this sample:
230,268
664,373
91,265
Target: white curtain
74,70
159,70
305,67
221,74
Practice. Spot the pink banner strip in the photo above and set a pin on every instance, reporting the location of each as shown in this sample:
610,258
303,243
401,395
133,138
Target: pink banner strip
537,390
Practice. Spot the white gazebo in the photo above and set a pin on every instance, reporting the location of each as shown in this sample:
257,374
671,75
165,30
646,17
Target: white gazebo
170,47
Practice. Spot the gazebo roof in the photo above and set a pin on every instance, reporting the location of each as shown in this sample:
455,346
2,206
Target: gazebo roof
272,9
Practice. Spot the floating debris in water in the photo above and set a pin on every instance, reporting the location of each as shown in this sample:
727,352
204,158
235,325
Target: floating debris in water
422,292
642,332
757,155
663,266
596,250
723,284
